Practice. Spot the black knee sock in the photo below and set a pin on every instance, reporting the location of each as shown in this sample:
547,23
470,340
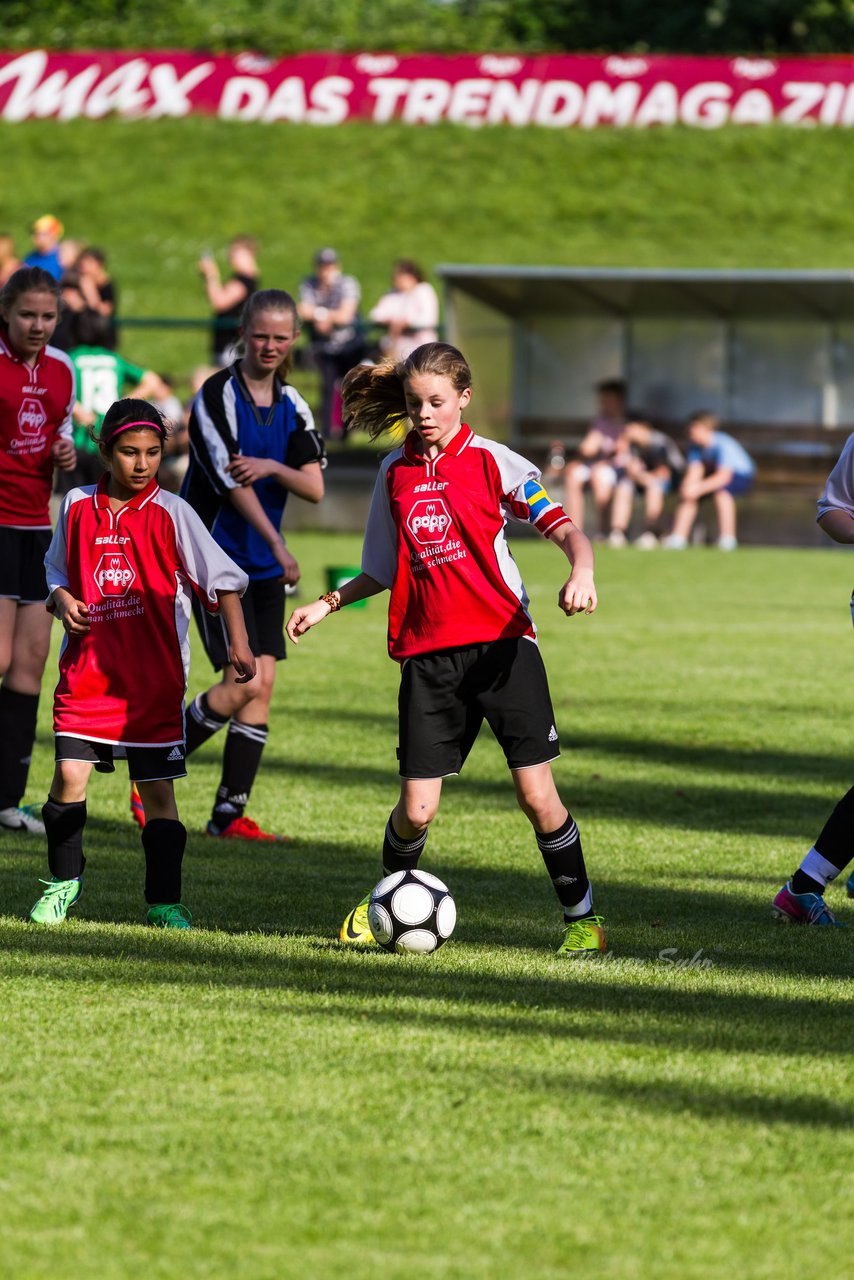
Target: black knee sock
202,723
831,852
400,854
18,712
64,825
244,746
564,861
163,840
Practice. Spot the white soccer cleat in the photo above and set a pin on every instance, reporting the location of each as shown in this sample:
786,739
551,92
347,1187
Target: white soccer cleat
22,818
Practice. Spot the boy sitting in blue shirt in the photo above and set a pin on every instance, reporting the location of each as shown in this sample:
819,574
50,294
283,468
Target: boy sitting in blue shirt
718,467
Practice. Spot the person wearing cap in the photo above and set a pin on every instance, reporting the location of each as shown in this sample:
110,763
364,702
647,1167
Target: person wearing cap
329,307
46,234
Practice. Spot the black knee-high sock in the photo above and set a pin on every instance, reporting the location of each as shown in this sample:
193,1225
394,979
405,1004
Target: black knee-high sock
64,825
164,841
400,854
831,852
244,746
564,861
18,713
202,723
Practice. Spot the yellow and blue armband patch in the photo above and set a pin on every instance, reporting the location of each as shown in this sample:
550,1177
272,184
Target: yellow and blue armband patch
537,499
540,509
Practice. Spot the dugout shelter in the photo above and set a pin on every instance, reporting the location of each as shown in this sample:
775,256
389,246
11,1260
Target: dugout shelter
771,352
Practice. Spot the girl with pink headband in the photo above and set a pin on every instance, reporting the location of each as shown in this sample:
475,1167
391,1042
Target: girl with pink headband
125,561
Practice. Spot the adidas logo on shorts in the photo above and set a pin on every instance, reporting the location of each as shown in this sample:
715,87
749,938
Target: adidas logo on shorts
553,734
176,753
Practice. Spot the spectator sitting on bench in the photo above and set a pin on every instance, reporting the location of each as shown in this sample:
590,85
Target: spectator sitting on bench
594,465
718,467
648,463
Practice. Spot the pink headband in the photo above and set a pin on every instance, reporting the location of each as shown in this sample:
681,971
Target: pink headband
152,426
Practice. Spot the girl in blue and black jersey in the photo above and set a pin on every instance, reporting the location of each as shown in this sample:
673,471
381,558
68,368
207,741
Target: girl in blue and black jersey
252,442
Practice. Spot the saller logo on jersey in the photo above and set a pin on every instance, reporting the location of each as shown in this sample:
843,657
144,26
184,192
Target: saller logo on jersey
31,417
429,521
114,575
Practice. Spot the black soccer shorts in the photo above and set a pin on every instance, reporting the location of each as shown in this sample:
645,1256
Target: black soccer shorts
445,697
22,575
145,764
264,613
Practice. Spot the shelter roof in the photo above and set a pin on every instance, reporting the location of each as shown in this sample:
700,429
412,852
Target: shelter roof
627,292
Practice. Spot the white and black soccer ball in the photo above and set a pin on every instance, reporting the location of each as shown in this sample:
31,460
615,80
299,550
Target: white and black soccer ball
412,912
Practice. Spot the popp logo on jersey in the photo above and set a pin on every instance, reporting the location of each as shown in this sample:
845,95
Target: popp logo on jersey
429,521
31,417
114,574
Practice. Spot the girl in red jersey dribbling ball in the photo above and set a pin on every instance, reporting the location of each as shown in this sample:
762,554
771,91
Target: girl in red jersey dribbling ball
458,615
124,563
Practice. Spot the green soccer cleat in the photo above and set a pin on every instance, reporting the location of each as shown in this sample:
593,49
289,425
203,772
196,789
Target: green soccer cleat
54,904
169,915
583,937
356,930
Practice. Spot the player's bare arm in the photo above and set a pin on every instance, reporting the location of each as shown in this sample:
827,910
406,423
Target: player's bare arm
64,454
578,594
240,655
72,613
306,482
307,616
247,503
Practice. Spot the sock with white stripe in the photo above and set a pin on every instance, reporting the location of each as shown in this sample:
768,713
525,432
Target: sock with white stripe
244,746
564,861
202,723
400,854
814,874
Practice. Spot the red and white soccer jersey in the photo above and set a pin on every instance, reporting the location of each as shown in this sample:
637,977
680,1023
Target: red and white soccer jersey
435,536
35,407
124,681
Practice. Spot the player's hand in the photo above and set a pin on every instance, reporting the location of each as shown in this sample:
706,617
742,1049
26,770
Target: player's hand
73,614
248,470
242,659
64,454
578,595
290,568
306,617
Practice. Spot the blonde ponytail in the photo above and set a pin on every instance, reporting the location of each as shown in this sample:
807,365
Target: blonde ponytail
373,395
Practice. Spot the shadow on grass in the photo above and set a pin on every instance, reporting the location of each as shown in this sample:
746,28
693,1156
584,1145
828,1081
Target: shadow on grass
705,1101
737,809
831,768
561,1001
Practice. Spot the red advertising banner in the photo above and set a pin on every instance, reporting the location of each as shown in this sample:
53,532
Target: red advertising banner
555,92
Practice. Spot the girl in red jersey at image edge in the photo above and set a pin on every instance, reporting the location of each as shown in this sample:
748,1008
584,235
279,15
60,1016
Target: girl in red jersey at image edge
123,565
37,395
458,615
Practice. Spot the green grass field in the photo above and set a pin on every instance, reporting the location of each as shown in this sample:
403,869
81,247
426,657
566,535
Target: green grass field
155,194
253,1101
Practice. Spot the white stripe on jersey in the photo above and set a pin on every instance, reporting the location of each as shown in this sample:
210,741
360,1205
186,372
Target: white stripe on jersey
217,452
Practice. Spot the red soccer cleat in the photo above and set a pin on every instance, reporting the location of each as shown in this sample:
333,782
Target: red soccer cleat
136,808
244,828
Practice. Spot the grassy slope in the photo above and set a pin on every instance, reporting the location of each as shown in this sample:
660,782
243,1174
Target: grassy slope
252,1101
157,193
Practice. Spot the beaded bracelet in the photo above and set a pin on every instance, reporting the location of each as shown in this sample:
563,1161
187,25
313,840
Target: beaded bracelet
333,599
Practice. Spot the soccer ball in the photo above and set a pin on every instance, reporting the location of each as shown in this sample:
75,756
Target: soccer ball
411,912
